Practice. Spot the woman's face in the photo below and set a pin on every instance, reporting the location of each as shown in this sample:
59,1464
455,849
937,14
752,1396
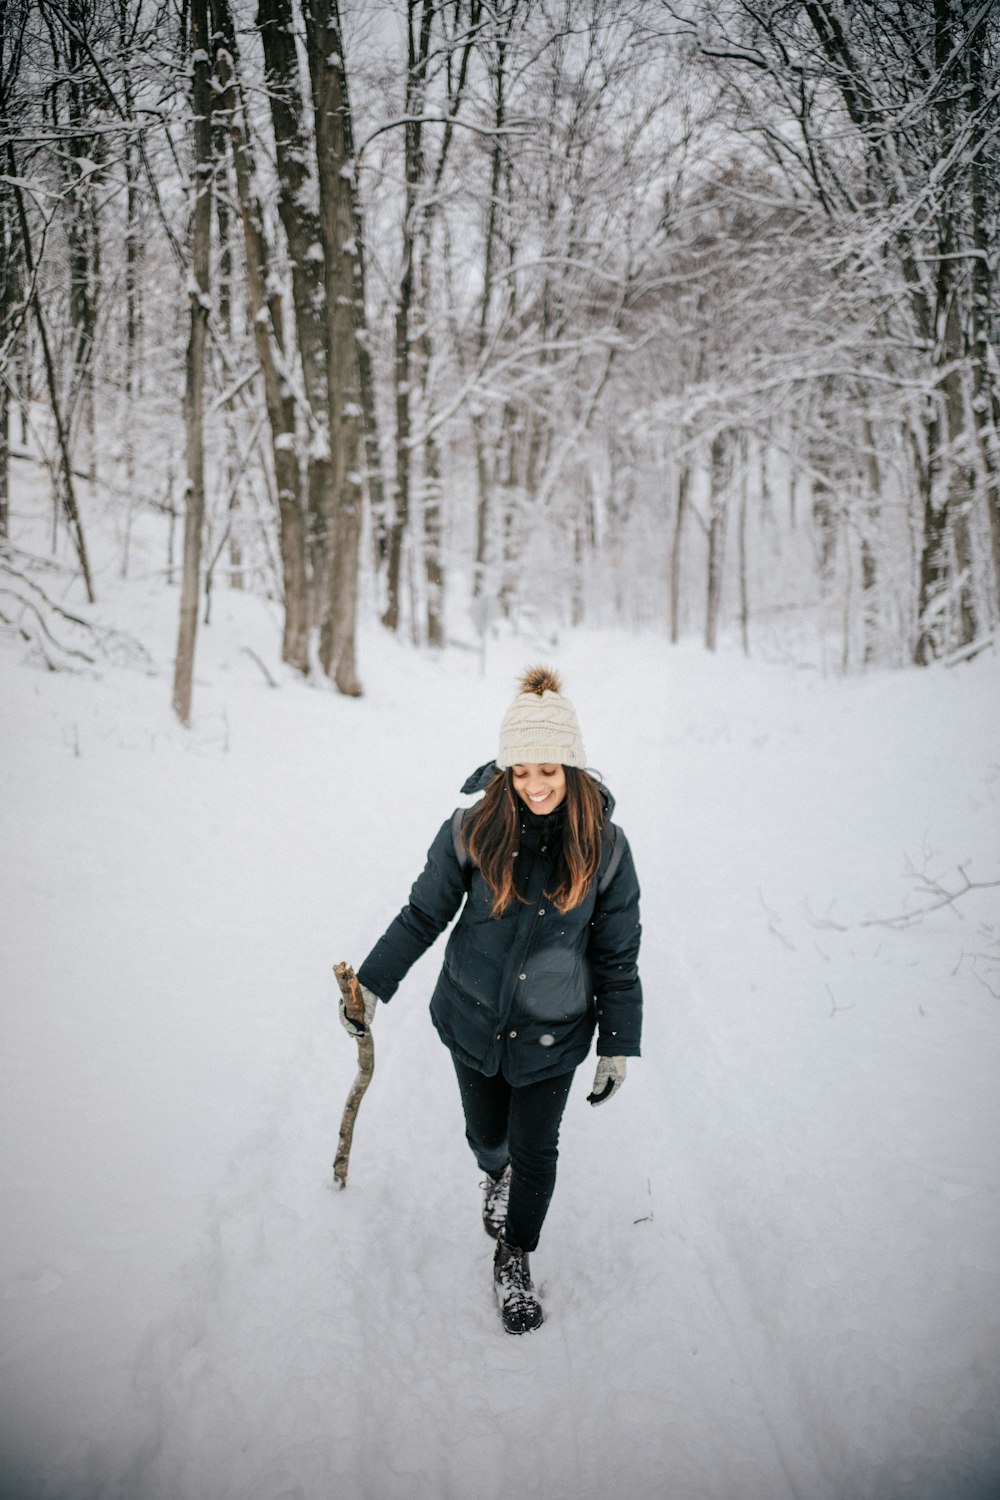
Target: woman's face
541,788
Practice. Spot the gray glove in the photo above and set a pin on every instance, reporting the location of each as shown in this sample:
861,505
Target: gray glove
352,1027
608,1079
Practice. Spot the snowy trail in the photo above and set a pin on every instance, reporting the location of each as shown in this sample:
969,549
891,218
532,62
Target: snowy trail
770,1269
349,1341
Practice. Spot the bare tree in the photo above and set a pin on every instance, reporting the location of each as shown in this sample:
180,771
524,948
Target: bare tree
440,43
334,136
297,207
266,315
12,309
194,389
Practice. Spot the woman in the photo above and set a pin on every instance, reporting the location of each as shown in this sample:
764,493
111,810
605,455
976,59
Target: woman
543,954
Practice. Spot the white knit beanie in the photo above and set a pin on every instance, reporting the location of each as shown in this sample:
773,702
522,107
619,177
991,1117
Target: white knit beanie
540,727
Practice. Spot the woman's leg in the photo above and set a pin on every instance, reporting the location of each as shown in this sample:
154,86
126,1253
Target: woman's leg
535,1114
486,1102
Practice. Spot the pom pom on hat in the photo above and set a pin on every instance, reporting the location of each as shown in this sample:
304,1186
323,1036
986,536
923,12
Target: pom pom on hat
540,680
540,727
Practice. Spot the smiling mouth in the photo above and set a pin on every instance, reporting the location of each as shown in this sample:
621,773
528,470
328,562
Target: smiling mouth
540,797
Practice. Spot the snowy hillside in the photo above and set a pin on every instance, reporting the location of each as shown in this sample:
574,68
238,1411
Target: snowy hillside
772,1265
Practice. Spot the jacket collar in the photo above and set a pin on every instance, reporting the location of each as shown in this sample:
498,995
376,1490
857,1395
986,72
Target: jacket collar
480,778
540,829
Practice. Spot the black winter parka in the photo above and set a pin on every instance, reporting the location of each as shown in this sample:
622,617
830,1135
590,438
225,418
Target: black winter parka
523,992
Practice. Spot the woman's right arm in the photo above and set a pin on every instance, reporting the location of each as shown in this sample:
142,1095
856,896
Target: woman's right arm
435,898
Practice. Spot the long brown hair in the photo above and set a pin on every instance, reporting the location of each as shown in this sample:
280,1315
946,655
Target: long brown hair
491,834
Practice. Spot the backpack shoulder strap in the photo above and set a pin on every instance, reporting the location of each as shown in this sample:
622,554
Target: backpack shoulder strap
461,853
618,846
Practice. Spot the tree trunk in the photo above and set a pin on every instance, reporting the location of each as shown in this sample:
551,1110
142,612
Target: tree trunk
983,315
223,224
869,567
433,544
401,492
336,165
718,506
680,516
950,489
413,295
300,222
955,303
986,419
194,508
583,549
933,567
10,296
824,506
133,329
418,49
484,475
741,539
83,246
68,492
266,318
4,455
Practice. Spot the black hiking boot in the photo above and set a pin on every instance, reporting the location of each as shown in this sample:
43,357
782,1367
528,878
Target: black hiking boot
496,1191
520,1309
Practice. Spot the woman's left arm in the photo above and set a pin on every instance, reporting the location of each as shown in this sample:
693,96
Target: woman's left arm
613,951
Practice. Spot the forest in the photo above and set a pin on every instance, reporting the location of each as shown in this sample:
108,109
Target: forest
460,314
354,356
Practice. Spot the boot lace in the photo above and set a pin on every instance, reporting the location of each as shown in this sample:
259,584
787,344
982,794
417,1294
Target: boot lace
496,1191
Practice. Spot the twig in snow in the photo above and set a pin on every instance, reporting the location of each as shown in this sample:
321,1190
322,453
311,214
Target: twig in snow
824,922
271,682
941,897
940,894
990,958
50,603
834,1007
772,922
28,604
646,1218
113,644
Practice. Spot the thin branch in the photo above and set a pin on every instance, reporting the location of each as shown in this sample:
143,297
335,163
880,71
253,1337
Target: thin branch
271,682
941,897
27,604
402,121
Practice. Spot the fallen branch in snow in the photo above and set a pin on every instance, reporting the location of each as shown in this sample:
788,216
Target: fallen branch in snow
37,614
824,922
940,895
271,682
30,583
990,959
773,920
966,653
937,895
926,885
32,636
834,1007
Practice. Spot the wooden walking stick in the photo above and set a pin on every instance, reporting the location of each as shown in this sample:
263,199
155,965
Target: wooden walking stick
354,1004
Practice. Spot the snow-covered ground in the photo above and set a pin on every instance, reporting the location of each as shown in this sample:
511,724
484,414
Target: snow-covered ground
772,1265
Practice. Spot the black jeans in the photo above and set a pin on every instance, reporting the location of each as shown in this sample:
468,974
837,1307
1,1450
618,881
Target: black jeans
521,1126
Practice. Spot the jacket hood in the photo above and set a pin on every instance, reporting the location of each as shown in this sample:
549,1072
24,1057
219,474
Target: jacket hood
483,775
